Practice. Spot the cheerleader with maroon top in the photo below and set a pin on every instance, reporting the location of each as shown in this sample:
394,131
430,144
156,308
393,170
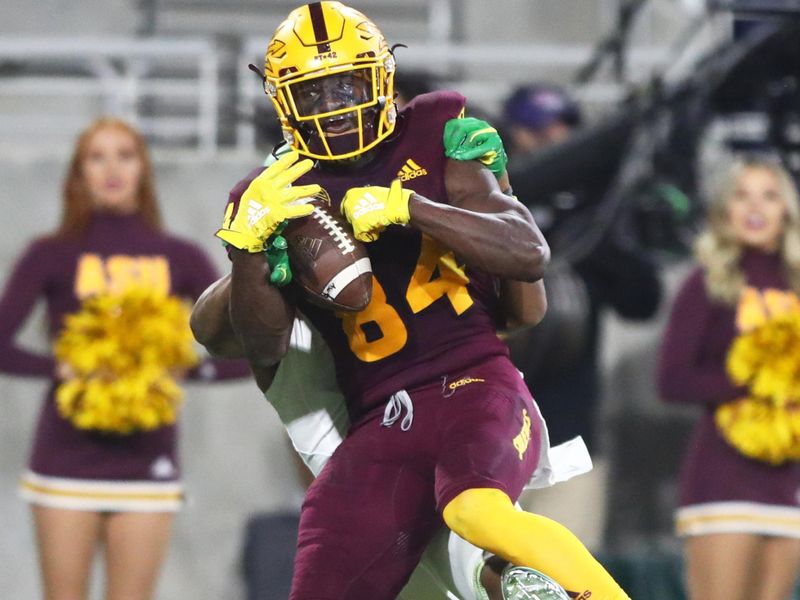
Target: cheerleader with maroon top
88,488
740,516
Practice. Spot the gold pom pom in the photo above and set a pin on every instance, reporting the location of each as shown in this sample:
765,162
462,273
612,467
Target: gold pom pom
766,425
125,350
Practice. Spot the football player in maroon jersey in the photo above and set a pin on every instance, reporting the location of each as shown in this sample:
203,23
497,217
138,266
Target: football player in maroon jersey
443,428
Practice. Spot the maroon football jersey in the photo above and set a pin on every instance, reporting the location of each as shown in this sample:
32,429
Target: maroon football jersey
429,315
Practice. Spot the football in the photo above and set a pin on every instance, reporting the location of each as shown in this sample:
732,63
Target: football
328,263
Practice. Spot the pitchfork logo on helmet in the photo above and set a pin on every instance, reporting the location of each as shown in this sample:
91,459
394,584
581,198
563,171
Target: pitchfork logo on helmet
330,74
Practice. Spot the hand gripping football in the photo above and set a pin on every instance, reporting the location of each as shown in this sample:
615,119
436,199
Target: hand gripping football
328,263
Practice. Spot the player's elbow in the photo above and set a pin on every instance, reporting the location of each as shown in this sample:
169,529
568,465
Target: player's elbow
266,350
210,323
201,327
218,340
526,309
533,262
223,347
514,325
532,314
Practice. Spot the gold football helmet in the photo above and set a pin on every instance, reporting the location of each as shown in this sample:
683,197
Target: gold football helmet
330,75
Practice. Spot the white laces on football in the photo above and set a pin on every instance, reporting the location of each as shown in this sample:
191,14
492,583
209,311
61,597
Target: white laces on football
394,408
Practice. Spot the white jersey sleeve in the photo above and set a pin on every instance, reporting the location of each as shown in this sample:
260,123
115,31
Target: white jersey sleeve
307,398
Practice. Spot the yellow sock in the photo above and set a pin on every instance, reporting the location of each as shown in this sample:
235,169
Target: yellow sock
487,518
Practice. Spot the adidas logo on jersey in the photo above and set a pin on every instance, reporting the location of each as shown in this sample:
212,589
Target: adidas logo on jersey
411,170
464,381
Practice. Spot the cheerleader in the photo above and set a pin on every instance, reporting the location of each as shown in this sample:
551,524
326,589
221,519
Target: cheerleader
739,500
95,481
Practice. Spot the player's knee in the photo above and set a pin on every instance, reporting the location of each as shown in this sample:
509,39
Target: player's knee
470,514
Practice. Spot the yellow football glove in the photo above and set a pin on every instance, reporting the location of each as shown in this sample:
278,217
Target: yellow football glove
371,209
267,202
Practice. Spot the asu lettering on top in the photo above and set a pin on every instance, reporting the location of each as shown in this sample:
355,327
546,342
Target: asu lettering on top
756,306
96,274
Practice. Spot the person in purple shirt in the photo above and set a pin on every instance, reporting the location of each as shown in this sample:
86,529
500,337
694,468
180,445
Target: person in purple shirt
740,517
442,427
90,489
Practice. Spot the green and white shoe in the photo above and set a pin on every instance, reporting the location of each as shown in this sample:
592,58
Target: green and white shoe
522,583
477,586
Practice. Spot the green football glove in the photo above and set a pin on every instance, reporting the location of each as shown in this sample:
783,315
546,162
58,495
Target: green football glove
280,274
267,202
474,139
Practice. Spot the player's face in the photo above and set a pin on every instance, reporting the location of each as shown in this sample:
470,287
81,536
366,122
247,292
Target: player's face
331,93
757,209
112,170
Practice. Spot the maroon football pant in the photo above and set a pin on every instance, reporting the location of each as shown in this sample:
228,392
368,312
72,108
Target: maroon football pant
377,503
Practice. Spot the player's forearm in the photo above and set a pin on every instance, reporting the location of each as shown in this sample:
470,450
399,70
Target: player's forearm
506,244
260,316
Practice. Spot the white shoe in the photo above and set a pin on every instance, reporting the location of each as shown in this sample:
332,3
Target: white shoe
522,583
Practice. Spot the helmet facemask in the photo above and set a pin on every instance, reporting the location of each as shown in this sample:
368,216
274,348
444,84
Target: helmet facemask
337,114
